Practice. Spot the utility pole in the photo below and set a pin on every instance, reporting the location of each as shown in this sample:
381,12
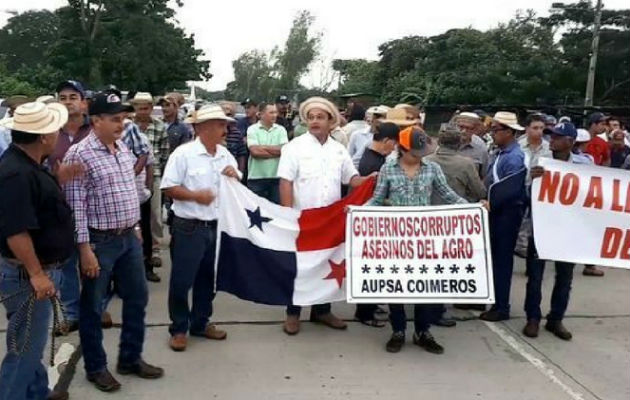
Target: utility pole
590,82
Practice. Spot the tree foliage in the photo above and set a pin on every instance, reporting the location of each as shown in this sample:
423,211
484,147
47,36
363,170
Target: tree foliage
134,44
262,75
518,62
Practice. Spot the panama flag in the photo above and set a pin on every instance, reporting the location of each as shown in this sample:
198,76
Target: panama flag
276,255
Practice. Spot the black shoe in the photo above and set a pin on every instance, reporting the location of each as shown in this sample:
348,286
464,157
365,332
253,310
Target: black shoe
445,322
153,277
396,342
427,342
476,307
558,329
140,369
104,381
57,395
493,316
67,327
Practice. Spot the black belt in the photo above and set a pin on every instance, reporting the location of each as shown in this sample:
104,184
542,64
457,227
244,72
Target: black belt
112,232
196,222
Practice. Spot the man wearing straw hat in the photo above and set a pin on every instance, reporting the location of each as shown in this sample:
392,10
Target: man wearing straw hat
155,130
107,211
312,169
36,239
192,180
505,220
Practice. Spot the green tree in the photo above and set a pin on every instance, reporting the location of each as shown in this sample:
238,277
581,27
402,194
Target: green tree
300,49
357,76
252,77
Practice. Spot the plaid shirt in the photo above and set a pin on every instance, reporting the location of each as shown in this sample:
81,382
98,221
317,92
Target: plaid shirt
106,196
133,139
394,184
156,132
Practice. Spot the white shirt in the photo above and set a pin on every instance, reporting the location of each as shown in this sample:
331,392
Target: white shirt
355,126
192,167
358,143
317,171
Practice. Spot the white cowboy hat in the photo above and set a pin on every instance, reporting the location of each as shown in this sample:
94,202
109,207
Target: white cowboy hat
46,99
398,116
37,118
508,119
207,113
468,115
379,110
142,97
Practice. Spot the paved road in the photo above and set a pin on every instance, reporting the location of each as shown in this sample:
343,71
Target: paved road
482,360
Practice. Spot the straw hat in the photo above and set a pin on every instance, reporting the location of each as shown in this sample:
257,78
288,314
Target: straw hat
468,115
508,119
322,104
142,97
46,99
207,113
37,118
398,116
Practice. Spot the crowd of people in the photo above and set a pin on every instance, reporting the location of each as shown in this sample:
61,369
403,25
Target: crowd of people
90,180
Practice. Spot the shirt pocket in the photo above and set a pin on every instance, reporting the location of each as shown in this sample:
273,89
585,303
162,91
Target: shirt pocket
309,168
201,177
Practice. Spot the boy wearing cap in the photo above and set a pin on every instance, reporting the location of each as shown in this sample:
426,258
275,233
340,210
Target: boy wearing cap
505,221
36,240
410,181
312,169
283,105
192,179
562,138
107,210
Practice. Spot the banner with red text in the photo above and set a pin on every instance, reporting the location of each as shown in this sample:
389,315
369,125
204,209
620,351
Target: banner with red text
437,254
581,214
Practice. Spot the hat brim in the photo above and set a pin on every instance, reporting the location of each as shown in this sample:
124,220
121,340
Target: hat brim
141,101
59,118
322,104
402,122
117,109
516,127
194,121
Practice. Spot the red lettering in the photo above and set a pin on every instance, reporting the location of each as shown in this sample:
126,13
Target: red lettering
616,205
595,196
569,189
611,242
549,186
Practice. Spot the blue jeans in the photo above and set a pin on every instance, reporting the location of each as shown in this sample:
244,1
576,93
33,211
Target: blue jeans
23,376
120,259
193,250
267,188
561,287
71,287
422,317
504,226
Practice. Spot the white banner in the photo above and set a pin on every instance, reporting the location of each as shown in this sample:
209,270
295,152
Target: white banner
581,214
412,255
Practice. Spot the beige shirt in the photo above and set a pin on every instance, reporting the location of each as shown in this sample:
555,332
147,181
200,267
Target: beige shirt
461,175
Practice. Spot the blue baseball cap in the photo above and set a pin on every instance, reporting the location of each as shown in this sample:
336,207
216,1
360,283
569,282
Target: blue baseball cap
563,129
73,85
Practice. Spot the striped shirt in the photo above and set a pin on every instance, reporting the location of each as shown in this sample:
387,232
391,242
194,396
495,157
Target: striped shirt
105,197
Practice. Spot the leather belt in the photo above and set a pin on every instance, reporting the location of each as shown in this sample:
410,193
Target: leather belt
112,232
196,222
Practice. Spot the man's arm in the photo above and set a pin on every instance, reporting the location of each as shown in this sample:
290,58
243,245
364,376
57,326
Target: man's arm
141,162
286,193
265,152
204,197
22,247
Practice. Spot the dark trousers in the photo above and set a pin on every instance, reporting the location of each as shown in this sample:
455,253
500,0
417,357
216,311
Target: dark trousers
504,226
365,312
267,188
193,250
120,259
422,316
147,241
561,287
318,309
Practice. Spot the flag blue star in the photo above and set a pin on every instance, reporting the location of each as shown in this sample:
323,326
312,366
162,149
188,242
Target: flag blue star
255,219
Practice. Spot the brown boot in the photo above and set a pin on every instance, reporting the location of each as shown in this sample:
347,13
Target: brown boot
211,332
591,270
292,325
106,320
329,320
178,342
57,395
531,329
